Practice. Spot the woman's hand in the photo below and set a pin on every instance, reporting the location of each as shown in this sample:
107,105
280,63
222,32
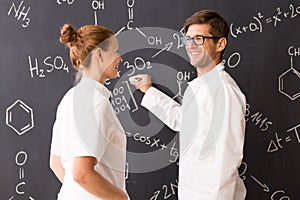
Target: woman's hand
93,182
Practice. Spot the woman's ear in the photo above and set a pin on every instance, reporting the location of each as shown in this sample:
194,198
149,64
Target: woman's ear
99,54
221,44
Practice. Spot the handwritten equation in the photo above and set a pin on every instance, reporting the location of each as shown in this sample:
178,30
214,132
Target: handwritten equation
120,101
130,6
97,6
156,143
262,122
279,141
166,191
51,63
21,160
70,2
20,125
285,79
19,117
20,12
257,25
275,195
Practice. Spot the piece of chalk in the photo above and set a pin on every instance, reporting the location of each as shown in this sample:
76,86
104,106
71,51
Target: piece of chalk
132,78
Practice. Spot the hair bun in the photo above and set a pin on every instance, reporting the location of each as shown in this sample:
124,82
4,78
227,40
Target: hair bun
68,35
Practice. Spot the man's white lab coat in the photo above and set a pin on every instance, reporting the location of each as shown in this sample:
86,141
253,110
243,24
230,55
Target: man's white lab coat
212,128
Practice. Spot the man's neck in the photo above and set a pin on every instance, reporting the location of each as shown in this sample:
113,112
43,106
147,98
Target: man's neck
203,70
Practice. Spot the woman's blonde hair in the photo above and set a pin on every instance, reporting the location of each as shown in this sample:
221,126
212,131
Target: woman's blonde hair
83,40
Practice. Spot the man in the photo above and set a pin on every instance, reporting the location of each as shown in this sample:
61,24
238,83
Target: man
211,119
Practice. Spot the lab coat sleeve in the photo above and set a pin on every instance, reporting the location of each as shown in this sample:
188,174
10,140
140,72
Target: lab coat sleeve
229,150
163,107
56,136
55,143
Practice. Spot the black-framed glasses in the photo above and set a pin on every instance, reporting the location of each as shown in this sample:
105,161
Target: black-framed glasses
198,40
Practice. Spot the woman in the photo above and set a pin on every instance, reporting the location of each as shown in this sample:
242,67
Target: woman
88,144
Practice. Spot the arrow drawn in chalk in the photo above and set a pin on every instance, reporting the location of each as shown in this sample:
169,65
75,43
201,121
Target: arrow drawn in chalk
166,48
263,185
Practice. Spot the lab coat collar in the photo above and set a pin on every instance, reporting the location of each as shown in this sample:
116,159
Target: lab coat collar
207,76
220,66
99,87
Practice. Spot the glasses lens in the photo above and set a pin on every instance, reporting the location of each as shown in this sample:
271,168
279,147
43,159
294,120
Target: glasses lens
198,40
183,39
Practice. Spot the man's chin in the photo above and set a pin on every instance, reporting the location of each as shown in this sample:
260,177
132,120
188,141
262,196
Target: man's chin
201,63
195,64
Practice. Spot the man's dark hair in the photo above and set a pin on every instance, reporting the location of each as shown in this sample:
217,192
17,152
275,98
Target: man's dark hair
218,25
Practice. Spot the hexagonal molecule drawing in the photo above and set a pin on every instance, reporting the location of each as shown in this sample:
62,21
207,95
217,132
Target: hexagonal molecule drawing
19,117
287,80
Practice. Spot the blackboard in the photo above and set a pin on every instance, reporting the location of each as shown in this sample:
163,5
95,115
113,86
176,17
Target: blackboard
263,55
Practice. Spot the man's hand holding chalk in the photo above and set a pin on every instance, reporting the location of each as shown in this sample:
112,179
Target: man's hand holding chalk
141,82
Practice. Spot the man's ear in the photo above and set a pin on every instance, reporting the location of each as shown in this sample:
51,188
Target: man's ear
221,44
